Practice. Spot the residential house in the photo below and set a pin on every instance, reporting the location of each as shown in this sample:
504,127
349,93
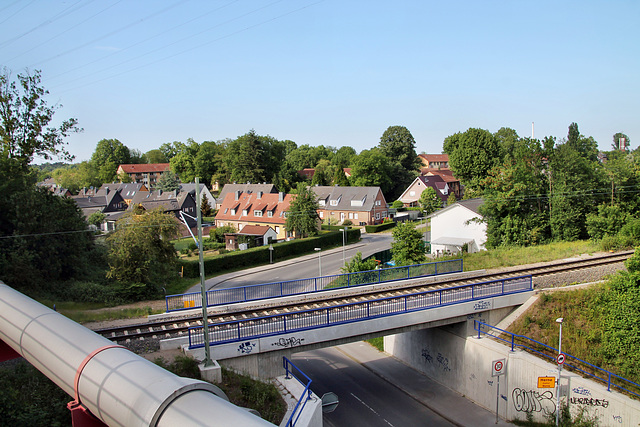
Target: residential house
261,235
51,185
204,191
447,175
244,188
110,204
170,201
144,173
411,195
241,209
360,205
435,161
456,226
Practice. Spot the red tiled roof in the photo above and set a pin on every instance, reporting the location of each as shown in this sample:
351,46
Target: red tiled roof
271,199
146,167
435,157
254,230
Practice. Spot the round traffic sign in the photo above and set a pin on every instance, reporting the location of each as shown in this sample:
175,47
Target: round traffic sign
561,358
498,366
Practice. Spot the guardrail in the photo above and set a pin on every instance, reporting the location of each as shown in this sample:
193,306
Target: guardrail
610,376
306,394
314,284
240,330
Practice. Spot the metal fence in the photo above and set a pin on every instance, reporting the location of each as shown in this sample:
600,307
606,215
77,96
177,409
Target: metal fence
240,330
306,394
314,284
548,352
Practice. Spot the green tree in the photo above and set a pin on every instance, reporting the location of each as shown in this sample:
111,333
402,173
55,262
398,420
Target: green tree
472,155
205,207
209,160
168,181
246,158
608,221
340,178
617,138
140,251
96,218
451,199
182,164
407,247
357,264
429,200
75,177
372,169
25,130
397,204
156,156
343,157
398,144
302,217
108,155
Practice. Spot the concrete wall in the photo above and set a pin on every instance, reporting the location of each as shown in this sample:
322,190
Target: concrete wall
464,364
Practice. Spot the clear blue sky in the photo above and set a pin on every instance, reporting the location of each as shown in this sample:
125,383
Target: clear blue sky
332,72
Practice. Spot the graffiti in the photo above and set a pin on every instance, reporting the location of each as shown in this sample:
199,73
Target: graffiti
289,342
472,376
444,362
617,418
490,382
482,305
246,347
533,401
503,397
590,401
427,355
581,390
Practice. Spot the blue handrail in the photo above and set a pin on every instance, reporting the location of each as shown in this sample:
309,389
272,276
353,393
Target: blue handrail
306,394
310,285
478,326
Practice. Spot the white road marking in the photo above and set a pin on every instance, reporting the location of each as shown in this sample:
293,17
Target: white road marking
370,408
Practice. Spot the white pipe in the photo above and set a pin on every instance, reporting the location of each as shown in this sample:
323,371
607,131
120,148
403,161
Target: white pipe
116,385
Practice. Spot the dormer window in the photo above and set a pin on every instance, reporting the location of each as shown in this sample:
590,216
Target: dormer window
244,212
269,214
321,202
233,211
257,213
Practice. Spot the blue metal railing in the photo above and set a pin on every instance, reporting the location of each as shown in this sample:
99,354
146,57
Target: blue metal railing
241,330
610,376
314,284
306,394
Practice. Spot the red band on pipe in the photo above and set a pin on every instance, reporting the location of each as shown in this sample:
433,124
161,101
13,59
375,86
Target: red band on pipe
86,360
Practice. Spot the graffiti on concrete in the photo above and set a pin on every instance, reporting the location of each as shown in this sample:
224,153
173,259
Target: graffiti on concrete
490,382
617,418
590,401
247,347
472,377
582,390
533,401
288,342
482,305
444,363
427,356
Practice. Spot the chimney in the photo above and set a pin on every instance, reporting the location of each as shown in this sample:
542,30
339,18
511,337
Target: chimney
237,194
281,196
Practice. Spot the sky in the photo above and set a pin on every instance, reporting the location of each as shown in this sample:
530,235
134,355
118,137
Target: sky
330,72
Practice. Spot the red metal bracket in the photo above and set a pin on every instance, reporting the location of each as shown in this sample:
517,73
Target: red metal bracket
80,415
7,353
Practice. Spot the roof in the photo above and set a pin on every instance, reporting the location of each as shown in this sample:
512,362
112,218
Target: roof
358,199
168,200
245,188
471,204
451,241
445,174
435,157
246,200
255,230
146,167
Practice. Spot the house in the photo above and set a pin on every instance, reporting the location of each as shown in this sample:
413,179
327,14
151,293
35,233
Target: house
261,235
144,173
447,175
204,191
360,205
50,184
111,204
435,161
170,201
458,225
127,190
411,195
244,188
241,209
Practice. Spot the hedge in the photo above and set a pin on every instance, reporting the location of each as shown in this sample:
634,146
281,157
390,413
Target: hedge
334,227
379,227
260,255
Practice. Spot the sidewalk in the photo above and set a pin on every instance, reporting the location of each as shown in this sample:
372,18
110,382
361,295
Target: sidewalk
442,400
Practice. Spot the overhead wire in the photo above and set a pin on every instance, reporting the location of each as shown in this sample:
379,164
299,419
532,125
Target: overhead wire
18,11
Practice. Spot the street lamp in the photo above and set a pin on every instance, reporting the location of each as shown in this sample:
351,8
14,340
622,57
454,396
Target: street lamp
559,320
344,238
319,261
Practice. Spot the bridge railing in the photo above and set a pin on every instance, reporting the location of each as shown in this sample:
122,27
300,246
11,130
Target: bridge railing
314,284
548,352
290,371
241,330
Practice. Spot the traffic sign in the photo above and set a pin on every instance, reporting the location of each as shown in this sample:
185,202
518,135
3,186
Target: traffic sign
546,382
561,358
497,367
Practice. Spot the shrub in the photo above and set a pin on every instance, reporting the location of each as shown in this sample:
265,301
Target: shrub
347,222
380,227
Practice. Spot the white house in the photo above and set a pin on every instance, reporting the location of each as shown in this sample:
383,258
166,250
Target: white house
457,225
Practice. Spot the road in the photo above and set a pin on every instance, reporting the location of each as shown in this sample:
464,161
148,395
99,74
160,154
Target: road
365,398
299,268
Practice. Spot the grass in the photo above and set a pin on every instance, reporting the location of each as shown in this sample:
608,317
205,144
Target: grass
377,342
82,316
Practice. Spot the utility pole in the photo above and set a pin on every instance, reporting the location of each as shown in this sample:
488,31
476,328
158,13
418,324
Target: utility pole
205,318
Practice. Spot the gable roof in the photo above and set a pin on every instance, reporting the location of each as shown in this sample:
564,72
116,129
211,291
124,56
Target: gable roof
348,198
246,188
427,158
471,204
255,230
145,167
247,200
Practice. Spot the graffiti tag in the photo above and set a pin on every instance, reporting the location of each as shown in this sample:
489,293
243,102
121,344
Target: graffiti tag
490,382
533,401
246,347
444,362
472,376
427,355
590,401
581,390
617,418
482,305
289,342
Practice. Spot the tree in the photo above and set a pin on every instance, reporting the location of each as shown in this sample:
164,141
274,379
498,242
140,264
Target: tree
75,177
340,178
621,142
397,204
302,217
451,199
429,200
108,155
25,115
140,251
182,164
407,247
205,207
246,158
357,264
156,156
168,181
96,218
372,169
398,144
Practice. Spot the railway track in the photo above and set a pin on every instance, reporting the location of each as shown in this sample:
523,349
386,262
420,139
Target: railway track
179,326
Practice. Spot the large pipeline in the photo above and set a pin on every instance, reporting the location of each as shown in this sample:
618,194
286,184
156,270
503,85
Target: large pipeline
117,386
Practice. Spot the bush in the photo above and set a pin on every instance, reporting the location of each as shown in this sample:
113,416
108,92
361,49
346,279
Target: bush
380,227
347,222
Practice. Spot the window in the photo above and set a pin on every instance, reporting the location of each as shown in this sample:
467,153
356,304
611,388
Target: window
233,211
412,193
334,203
257,213
378,202
269,214
377,215
321,214
278,230
350,215
226,210
244,212
355,216
321,202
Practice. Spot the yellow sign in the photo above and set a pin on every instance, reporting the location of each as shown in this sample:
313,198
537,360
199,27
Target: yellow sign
546,382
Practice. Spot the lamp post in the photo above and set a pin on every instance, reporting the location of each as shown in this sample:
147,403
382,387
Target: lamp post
344,238
319,261
559,320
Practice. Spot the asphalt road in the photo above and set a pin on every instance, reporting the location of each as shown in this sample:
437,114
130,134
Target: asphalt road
365,398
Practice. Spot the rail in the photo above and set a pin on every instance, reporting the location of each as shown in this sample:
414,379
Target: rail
529,342
239,330
306,394
310,285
